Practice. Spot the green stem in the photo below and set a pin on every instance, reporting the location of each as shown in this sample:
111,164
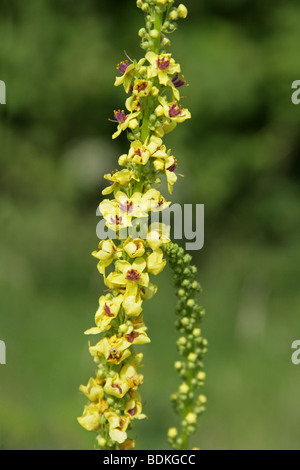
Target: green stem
145,132
157,26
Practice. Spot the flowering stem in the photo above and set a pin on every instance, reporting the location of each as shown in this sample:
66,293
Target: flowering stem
113,394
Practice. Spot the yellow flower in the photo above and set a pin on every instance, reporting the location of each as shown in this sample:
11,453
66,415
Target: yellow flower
115,218
167,165
116,387
128,71
156,262
117,426
174,111
90,420
134,248
162,66
117,179
154,201
125,121
148,292
141,88
167,125
158,235
134,407
132,303
105,254
128,379
130,207
137,336
93,391
140,153
114,349
127,274
107,311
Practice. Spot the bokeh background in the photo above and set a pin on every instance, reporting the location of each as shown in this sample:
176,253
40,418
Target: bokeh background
240,157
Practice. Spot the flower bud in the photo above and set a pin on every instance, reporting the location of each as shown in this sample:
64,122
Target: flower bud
201,376
142,32
154,33
181,341
191,418
182,11
101,441
202,399
172,433
184,388
174,15
192,357
166,42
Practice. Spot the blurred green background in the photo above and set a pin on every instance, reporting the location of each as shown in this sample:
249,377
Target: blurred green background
240,157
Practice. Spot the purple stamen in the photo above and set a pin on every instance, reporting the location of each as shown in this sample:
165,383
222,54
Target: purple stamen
141,87
178,82
163,64
132,412
128,207
120,116
123,66
118,387
130,338
133,275
107,311
173,167
116,220
175,110
160,203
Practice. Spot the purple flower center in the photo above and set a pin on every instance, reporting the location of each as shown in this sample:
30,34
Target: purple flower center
107,311
175,110
160,203
141,87
126,207
162,63
173,167
114,354
130,338
118,387
123,66
116,220
133,411
120,116
178,82
133,275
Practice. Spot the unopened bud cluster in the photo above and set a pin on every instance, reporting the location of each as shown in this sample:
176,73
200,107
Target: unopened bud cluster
188,402
153,32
